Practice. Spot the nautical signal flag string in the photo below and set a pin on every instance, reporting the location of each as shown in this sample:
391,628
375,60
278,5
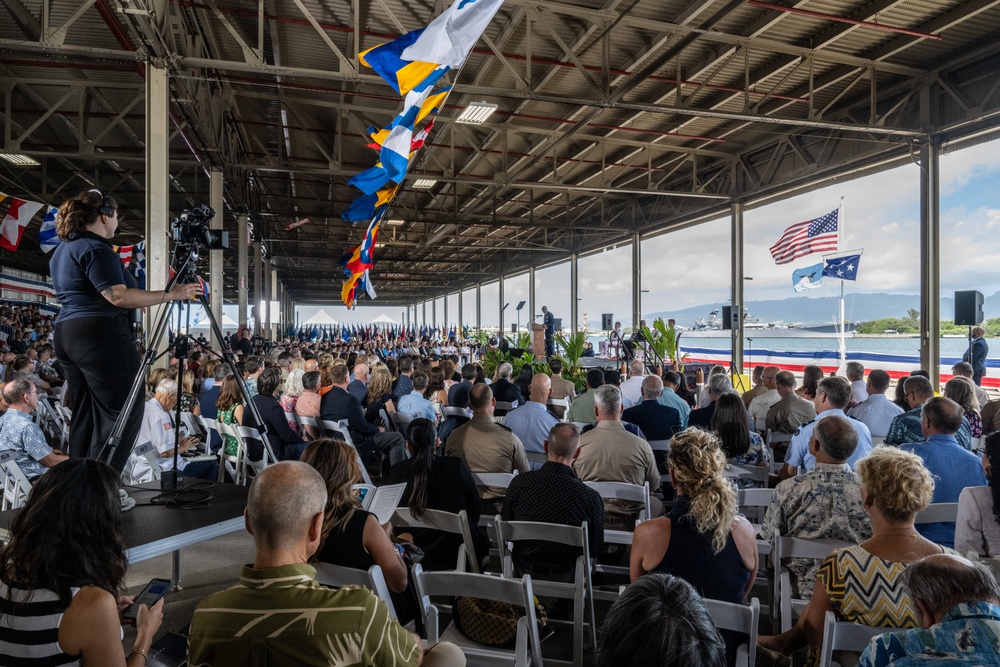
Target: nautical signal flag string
412,64
19,214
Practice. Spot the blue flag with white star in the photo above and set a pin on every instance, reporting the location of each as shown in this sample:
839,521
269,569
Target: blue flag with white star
844,268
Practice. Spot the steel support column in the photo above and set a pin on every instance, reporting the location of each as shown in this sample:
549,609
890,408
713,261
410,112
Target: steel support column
500,305
265,316
479,307
274,313
243,288
574,288
434,312
930,258
636,280
461,319
215,259
423,322
532,312
736,293
157,191
258,282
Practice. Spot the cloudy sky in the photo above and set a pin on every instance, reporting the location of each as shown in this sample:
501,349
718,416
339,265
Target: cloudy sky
691,267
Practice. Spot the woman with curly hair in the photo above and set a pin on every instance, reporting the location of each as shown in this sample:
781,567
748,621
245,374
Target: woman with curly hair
864,583
351,536
703,540
62,571
379,393
978,525
962,391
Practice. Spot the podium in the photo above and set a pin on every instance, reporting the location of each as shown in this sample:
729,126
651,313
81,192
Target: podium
538,339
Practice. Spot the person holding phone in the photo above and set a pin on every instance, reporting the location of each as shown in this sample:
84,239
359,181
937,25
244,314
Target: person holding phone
62,571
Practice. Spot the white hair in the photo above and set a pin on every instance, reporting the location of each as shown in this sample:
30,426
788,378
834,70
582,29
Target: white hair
167,386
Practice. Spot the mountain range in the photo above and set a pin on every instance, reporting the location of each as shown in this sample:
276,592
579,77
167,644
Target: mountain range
803,310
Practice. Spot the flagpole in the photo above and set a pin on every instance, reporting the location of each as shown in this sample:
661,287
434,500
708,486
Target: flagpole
843,343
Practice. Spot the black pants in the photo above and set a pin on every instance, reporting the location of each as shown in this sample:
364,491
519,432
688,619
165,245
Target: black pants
99,358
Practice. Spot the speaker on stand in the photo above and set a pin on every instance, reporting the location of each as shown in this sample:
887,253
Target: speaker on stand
731,321
969,311
607,321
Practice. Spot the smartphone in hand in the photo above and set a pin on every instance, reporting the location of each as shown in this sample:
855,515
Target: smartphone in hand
149,596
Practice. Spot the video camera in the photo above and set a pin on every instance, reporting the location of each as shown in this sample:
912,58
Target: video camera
191,230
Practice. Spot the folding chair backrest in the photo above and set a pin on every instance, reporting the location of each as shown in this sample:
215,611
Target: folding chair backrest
754,503
451,411
660,445
148,451
336,576
401,421
777,438
754,473
738,618
795,547
236,464
447,522
841,636
505,406
938,513
390,425
624,491
536,457
499,479
248,435
15,484
517,592
516,531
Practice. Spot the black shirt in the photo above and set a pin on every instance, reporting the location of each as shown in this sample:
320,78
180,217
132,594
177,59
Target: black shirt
553,494
81,268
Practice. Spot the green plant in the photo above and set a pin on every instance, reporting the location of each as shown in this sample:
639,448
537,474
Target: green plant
572,346
665,342
521,340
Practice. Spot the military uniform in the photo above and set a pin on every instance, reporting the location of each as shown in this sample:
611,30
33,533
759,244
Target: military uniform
609,453
788,414
798,455
822,504
486,446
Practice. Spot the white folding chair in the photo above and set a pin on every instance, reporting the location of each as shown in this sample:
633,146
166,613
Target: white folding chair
938,513
660,445
309,426
776,438
754,503
498,480
340,431
754,473
880,440
336,576
527,646
401,421
559,403
738,618
536,457
446,522
15,483
503,407
580,590
236,463
620,491
462,413
251,434
841,636
152,455
795,547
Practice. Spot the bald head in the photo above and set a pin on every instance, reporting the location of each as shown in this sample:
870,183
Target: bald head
939,582
541,387
481,399
311,365
284,500
361,372
652,387
784,382
635,369
768,376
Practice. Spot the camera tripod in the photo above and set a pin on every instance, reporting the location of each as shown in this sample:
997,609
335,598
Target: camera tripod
180,346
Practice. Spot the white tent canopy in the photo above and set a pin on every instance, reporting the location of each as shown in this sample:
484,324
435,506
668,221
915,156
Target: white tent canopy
200,321
384,319
321,317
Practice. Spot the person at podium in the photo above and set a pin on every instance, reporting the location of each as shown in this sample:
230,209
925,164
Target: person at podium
549,320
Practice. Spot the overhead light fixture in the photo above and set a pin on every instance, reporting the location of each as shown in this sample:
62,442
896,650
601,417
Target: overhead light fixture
19,160
424,184
395,223
476,113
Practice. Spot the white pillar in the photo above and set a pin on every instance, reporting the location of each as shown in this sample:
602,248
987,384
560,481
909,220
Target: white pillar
243,283
157,192
274,314
258,282
930,260
736,293
574,302
636,280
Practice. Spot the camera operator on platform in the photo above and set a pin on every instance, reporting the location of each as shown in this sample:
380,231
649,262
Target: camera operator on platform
94,340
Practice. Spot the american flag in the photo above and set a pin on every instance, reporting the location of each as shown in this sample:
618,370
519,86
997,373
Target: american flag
804,238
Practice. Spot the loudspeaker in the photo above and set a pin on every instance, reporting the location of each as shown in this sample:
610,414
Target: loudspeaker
513,328
557,324
730,317
968,308
607,321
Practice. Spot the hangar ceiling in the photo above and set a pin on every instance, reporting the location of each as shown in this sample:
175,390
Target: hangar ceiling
615,117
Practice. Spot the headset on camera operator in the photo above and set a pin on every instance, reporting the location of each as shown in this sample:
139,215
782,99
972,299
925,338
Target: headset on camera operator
94,341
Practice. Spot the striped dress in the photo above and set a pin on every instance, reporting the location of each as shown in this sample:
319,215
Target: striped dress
29,631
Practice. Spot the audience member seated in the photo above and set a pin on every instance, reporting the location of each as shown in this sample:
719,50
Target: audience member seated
963,392
379,394
158,428
906,427
458,394
561,387
414,403
285,443
210,396
523,382
358,388
952,467
660,621
230,409
703,540
291,390
718,385
614,379
18,432
791,411
532,421
832,396
438,483
740,445
278,614
253,367
863,584
403,384
503,388
958,612
486,446
368,438
978,526
308,402
351,536
554,494
672,381
761,404
581,410
811,377
655,420
609,453
964,369
876,411
632,387
855,372
822,504
60,572
759,387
